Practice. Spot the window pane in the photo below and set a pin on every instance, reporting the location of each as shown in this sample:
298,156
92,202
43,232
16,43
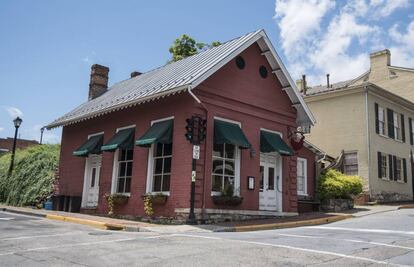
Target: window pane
271,185
230,151
158,166
228,181
261,177
217,183
167,165
218,150
158,150
122,169
167,149
157,183
129,154
229,168
127,185
121,154
128,169
218,166
93,177
121,184
300,184
166,183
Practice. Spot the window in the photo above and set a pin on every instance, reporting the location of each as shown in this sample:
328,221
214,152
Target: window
399,169
384,166
351,163
397,126
125,159
381,121
161,175
302,176
224,166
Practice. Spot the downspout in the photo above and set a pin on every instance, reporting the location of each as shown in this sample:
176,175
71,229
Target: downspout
203,203
368,140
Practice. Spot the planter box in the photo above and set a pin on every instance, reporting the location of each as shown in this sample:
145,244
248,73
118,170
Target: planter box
157,199
227,201
337,204
119,199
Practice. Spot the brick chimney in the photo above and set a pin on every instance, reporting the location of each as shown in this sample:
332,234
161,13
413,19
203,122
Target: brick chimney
99,81
379,65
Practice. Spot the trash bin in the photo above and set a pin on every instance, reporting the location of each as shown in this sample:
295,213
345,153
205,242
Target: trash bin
48,205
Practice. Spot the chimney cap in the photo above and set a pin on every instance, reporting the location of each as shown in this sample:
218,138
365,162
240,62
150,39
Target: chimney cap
380,53
98,66
135,74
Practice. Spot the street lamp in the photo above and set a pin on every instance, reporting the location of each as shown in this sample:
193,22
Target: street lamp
41,134
17,122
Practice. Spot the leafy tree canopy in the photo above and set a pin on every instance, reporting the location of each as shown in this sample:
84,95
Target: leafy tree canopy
186,46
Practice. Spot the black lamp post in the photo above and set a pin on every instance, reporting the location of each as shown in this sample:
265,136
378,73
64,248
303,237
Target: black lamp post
41,134
17,122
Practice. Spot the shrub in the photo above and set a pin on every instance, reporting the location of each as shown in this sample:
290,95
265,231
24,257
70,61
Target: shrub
33,175
334,184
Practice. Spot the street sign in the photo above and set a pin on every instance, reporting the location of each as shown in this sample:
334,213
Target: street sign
196,152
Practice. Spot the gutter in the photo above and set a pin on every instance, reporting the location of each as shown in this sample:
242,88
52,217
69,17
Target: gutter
203,202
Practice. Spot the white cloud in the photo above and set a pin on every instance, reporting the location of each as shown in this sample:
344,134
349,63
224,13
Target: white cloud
14,112
297,19
33,133
1,129
91,58
319,37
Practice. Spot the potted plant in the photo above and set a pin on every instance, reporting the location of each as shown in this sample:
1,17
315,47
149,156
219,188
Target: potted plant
336,190
227,197
115,200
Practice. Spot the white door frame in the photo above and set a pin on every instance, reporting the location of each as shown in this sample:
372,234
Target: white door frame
264,161
86,180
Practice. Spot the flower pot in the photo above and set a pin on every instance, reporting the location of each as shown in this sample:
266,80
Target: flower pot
119,199
227,201
159,200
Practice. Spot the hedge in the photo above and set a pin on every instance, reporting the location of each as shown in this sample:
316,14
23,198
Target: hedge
335,185
31,181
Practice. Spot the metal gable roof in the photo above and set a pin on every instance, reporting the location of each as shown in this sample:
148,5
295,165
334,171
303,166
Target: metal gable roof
183,75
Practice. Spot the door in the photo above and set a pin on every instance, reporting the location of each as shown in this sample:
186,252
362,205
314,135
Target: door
270,195
91,184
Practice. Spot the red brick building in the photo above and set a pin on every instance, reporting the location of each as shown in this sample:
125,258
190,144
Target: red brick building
130,139
6,144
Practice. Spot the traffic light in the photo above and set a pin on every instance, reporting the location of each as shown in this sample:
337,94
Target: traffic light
202,130
190,129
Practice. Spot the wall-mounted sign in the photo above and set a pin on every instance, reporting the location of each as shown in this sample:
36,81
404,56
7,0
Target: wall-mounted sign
250,182
196,152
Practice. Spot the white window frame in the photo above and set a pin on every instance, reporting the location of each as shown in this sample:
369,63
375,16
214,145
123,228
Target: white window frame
382,129
357,159
385,174
305,176
86,172
150,164
116,165
401,170
397,126
237,160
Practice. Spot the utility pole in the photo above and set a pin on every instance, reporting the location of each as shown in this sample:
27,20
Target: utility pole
195,133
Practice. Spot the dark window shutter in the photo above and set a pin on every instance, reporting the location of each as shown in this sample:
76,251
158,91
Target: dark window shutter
376,119
410,124
405,170
403,128
390,122
390,163
379,165
394,162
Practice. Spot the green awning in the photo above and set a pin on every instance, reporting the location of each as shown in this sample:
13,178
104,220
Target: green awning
272,142
91,146
229,133
122,139
160,132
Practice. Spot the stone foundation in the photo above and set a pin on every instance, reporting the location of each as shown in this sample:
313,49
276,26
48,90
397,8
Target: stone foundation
337,204
384,197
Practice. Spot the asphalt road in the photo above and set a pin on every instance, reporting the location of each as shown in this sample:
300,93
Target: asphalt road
376,240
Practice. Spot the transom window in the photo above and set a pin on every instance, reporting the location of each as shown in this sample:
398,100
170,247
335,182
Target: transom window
224,162
351,163
397,126
384,166
162,155
381,120
125,159
301,176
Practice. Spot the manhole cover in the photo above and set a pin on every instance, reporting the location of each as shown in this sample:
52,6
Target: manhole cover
99,233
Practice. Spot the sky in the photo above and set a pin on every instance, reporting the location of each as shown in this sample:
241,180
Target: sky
47,47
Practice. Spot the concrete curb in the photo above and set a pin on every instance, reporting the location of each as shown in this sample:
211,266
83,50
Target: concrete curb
24,212
310,222
407,206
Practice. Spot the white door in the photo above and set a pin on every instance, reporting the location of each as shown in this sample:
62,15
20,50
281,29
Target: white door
91,183
270,196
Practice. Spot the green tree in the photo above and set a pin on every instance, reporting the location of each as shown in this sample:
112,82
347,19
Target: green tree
186,46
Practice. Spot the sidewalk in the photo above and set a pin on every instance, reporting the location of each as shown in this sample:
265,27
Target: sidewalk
305,219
